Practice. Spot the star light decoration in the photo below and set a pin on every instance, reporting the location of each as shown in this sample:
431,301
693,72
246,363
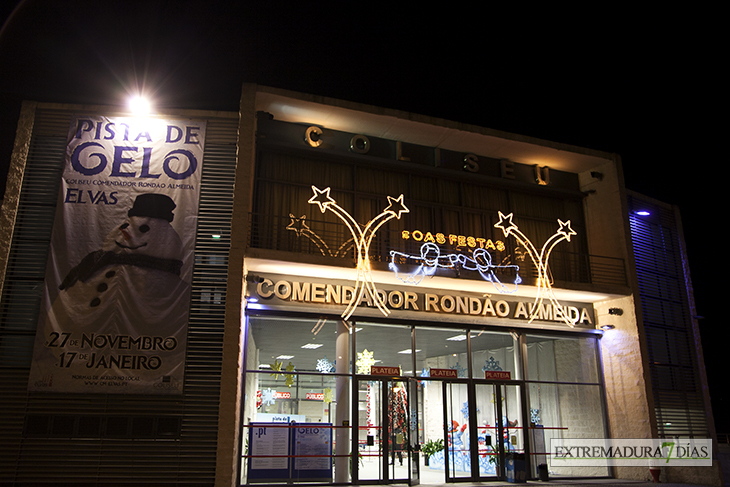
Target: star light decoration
325,366
267,397
364,362
289,380
465,410
491,364
540,260
363,237
328,395
300,227
276,369
460,371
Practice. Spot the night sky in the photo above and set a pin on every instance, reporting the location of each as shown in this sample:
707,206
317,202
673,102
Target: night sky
640,84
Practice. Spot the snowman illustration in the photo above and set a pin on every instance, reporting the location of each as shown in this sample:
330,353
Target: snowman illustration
132,285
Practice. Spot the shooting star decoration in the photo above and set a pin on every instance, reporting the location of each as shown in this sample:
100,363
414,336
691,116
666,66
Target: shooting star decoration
544,286
300,227
362,237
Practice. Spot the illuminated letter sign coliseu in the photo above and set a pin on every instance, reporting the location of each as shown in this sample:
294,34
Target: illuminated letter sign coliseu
430,258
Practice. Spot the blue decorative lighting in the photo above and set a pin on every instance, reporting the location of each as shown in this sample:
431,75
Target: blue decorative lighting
430,259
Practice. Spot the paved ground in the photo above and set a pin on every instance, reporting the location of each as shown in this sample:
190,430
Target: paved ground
566,483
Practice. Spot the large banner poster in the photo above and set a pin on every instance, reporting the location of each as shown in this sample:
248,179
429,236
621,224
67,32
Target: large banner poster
117,289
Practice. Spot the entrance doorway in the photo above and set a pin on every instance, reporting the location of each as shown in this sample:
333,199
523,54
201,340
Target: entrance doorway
481,427
384,439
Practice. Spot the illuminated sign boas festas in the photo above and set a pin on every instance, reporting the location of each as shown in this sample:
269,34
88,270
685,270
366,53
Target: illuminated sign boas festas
452,239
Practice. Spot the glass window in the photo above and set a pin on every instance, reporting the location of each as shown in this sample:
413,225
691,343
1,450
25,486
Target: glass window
441,349
565,411
383,345
290,377
309,345
494,351
562,359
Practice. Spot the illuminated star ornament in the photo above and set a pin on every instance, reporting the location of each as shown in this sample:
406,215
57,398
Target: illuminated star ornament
325,366
300,227
276,368
289,380
544,286
362,237
267,397
328,395
491,364
364,362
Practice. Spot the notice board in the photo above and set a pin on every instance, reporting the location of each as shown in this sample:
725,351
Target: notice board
295,452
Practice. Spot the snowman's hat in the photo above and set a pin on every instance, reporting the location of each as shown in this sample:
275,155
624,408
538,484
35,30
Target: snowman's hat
153,206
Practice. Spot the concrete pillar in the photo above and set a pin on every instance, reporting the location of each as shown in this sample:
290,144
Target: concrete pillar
342,394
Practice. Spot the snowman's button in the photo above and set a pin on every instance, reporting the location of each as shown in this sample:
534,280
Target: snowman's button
95,302
110,274
102,287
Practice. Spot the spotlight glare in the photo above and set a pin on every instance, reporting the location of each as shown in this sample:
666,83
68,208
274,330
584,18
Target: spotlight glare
139,105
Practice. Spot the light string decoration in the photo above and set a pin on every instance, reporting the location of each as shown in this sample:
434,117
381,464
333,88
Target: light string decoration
300,227
364,361
362,237
540,260
431,259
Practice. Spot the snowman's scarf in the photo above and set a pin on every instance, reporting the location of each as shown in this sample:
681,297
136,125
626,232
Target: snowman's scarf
95,261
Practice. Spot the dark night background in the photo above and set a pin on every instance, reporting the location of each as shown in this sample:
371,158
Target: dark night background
637,82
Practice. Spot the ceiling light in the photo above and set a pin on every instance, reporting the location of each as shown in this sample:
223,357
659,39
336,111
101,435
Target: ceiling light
457,338
284,357
312,346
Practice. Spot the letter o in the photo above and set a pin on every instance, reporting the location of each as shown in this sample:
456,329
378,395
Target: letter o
448,304
313,136
282,290
395,299
360,144
417,235
501,308
170,343
172,155
154,362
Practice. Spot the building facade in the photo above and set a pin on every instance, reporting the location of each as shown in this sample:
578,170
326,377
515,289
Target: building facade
326,256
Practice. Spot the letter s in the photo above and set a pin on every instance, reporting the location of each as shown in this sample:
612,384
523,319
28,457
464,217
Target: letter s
470,163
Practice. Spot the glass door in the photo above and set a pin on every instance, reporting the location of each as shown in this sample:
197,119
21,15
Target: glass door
369,467
500,431
398,421
457,442
490,447
384,430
